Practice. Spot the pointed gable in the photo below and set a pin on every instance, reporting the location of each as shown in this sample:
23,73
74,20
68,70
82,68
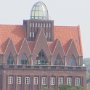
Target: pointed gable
24,48
10,49
58,50
41,43
65,33
72,49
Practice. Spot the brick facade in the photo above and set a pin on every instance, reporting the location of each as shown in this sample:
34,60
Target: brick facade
29,51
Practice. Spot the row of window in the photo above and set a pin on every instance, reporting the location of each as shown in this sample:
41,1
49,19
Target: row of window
47,34
44,80
41,60
40,24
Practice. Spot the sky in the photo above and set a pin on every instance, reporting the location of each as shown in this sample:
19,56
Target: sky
63,12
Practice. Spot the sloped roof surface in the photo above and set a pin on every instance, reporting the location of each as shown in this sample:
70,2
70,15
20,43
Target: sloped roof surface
17,33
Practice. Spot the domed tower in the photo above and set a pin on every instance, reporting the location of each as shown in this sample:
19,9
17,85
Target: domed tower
39,11
39,20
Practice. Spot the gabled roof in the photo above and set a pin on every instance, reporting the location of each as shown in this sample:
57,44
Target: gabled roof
17,33
66,33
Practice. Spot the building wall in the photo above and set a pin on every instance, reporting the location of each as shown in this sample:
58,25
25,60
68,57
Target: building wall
40,73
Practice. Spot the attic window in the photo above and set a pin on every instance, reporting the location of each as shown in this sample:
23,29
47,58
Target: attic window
10,60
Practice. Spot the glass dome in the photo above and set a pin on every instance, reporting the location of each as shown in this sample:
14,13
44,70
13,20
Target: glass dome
39,11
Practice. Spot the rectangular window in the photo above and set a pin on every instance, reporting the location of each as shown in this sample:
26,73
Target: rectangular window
44,80
30,34
49,35
33,34
77,81
10,80
60,80
19,81
52,80
35,80
27,80
69,81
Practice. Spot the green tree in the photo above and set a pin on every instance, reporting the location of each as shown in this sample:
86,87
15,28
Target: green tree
67,87
79,88
45,88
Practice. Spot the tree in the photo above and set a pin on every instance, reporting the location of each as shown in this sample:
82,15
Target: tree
79,88
45,88
67,87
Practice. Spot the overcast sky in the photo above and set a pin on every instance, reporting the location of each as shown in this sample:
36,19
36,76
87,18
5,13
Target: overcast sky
63,12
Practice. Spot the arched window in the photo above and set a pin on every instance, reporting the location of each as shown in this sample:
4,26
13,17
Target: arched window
72,61
10,59
41,59
24,59
58,60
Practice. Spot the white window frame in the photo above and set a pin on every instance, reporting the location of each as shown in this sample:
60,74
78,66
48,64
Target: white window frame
77,81
30,34
35,80
19,80
52,80
10,79
60,80
69,81
44,80
27,80
33,34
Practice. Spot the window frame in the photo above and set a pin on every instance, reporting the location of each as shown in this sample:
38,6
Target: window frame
60,80
69,81
10,79
77,81
52,80
36,80
27,80
19,80
44,80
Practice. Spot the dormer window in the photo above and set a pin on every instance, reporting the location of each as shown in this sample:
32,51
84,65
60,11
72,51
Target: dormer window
10,60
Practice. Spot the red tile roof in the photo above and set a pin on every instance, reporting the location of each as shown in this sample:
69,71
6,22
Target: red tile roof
16,33
66,33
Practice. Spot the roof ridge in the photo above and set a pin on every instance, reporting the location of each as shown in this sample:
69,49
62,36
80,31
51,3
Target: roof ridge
10,25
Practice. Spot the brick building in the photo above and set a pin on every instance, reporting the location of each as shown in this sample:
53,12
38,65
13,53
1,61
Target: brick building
38,54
